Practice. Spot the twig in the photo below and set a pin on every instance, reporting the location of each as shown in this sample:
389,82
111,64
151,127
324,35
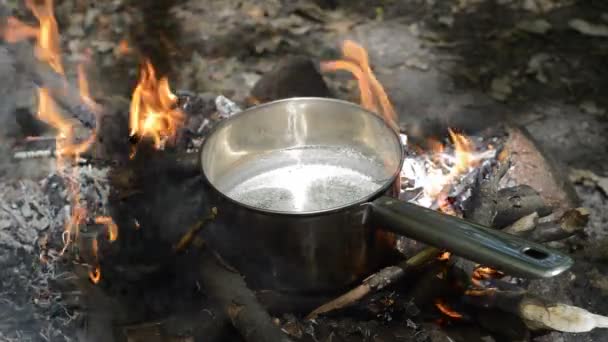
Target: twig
516,202
377,281
190,235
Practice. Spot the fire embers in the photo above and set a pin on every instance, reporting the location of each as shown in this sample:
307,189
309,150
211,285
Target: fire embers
154,110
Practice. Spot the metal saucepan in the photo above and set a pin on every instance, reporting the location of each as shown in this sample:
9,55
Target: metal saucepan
300,186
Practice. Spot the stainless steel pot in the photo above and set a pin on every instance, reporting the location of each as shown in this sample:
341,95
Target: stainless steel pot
300,186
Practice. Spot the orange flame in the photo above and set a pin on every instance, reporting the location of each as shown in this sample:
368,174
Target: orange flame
484,273
373,95
95,275
446,310
68,148
48,47
110,226
445,256
154,111
123,48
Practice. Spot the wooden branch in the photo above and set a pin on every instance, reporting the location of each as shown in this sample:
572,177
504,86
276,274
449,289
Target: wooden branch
516,202
570,223
538,313
65,94
238,302
187,239
377,281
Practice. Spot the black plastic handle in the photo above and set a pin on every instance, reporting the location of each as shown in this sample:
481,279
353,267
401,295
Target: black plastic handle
510,254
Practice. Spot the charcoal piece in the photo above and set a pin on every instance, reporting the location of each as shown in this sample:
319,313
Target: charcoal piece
293,77
482,206
516,202
504,324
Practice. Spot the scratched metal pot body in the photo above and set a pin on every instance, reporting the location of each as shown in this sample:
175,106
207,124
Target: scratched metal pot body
301,189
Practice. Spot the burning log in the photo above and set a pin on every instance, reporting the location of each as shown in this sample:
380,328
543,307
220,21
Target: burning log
238,302
517,202
65,94
482,206
377,281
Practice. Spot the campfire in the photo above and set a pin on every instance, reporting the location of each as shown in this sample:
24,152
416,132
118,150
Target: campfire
136,255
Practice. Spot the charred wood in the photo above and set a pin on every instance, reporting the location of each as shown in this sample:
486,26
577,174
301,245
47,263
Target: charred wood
516,202
377,281
66,95
482,206
572,222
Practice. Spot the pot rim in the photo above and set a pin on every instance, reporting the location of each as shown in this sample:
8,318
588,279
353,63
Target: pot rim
254,109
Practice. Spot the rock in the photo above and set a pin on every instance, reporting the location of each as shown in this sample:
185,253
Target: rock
103,46
587,28
293,77
501,88
590,107
538,26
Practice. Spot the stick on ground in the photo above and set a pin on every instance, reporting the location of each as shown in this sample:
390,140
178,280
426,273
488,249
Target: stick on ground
377,281
240,304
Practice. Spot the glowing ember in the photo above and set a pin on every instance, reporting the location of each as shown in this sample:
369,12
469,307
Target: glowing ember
445,256
110,226
484,273
154,111
123,48
446,310
95,275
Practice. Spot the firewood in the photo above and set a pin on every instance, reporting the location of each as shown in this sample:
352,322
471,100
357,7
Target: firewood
65,94
570,223
377,281
238,302
482,206
517,202
524,225
538,313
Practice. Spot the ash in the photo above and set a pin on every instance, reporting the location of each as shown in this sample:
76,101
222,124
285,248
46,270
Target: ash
32,218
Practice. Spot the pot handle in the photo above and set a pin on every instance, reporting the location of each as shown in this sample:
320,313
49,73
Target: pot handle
510,254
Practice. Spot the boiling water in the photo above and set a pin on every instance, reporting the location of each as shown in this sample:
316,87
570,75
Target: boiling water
304,179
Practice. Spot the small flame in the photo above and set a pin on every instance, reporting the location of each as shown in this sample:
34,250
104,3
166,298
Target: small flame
95,275
373,95
446,310
111,227
154,111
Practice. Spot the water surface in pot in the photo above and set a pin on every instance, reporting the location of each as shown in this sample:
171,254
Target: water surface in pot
304,179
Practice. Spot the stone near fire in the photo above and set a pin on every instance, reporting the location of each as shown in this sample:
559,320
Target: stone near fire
535,168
